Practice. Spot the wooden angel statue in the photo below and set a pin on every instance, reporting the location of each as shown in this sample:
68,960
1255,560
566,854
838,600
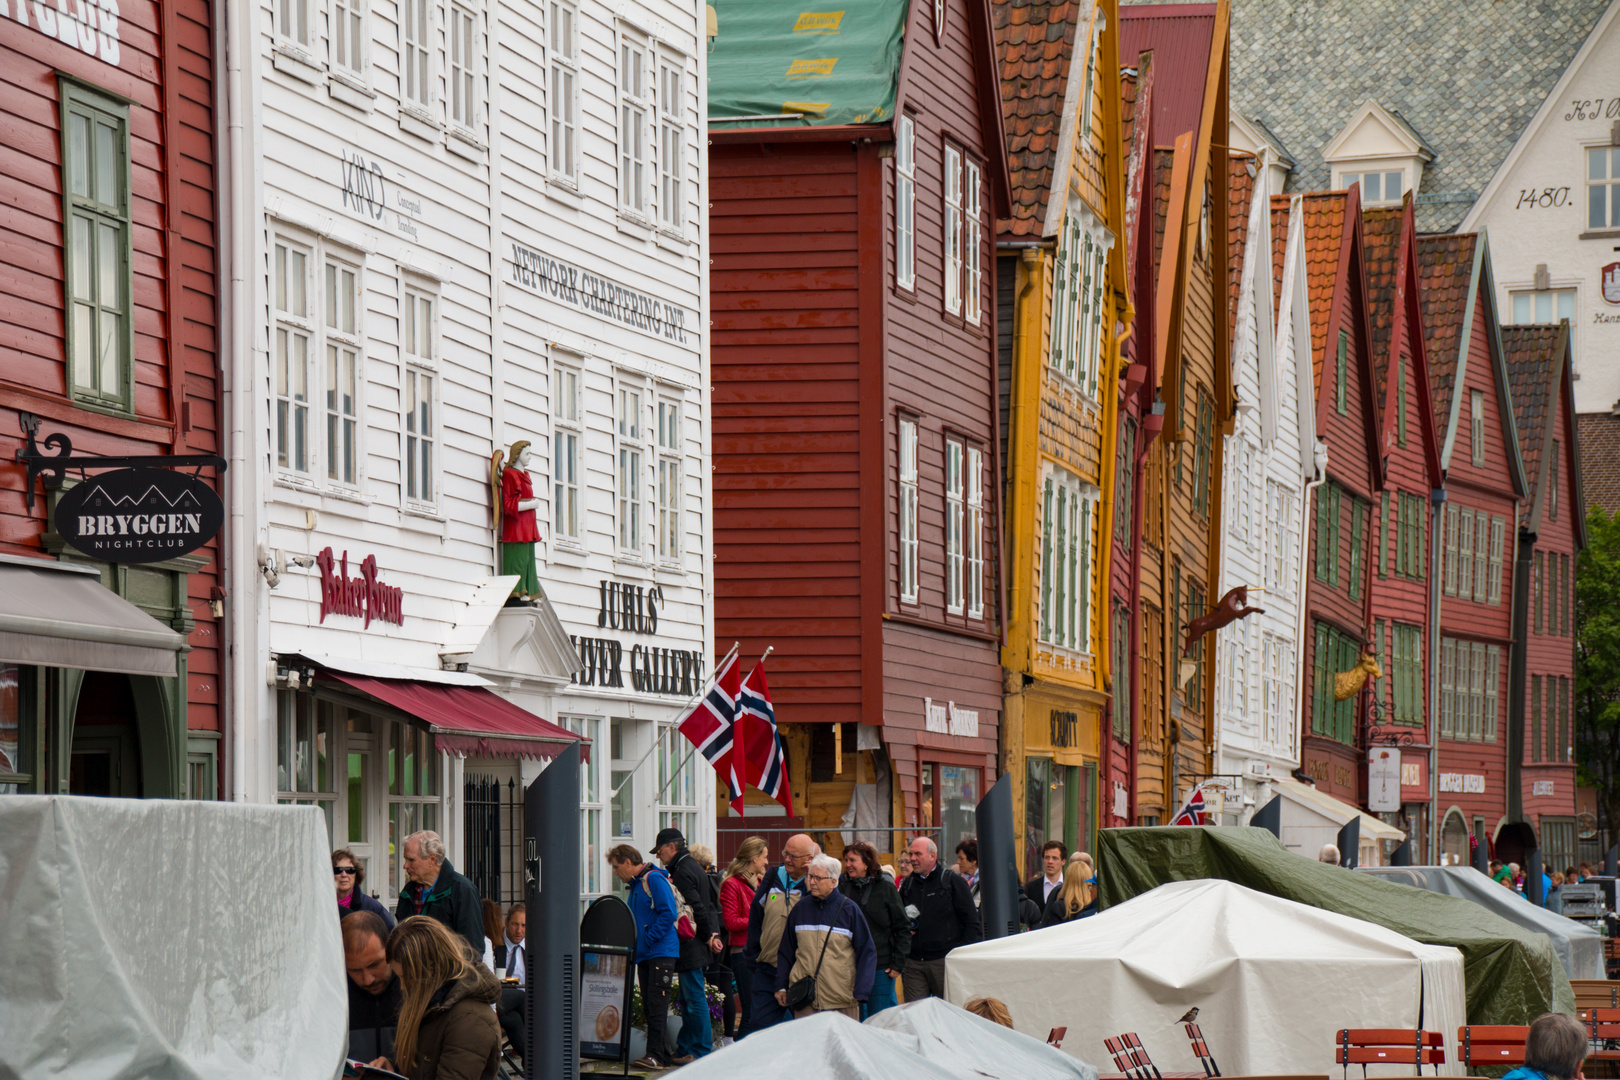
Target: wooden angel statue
512,493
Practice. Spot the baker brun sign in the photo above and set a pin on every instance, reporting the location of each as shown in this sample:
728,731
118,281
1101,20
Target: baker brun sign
362,597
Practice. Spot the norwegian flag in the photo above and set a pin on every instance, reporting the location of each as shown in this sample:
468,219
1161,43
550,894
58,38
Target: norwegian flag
711,727
1192,811
764,763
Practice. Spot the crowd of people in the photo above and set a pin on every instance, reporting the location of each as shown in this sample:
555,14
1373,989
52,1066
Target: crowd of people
434,983
1511,876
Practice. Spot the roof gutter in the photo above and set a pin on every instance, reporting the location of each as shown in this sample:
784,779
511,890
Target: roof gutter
832,133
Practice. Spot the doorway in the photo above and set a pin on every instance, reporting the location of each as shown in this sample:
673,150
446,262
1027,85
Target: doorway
104,760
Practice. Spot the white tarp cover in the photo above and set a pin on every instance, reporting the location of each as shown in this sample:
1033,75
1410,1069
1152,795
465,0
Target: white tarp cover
953,1036
826,1046
1273,979
167,940
1579,948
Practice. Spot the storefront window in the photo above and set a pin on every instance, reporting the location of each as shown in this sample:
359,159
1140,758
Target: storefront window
925,798
413,790
303,753
958,805
1045,801
590,799
14,768
677,784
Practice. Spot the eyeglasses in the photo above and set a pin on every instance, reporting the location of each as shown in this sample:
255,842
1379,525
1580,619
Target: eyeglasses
344,870
817,877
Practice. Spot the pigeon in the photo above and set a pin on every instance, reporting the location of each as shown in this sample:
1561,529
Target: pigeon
1189,1016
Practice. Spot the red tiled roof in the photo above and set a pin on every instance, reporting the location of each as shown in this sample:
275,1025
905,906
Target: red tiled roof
1600,460
1533,353
1324,239
1380,251
1034,41
1179,37
1279,245
1241,189
1127,108
1445,267
1164,166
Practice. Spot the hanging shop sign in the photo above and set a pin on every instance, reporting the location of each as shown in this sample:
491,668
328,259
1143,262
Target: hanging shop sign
139,515
362,597
1383,779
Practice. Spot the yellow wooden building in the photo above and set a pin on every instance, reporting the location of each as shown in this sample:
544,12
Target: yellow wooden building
1063,301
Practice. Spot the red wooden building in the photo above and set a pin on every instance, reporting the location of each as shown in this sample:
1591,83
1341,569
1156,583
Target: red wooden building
855,428
1552,531
108,336
1479,451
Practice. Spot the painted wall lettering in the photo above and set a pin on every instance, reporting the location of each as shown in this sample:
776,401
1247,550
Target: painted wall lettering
364,190
540,273
1531,199
623,606
1467,783
91,26
1593,109
363,597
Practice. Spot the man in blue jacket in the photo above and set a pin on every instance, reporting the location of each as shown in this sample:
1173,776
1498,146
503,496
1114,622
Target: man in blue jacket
652,902
1555,1049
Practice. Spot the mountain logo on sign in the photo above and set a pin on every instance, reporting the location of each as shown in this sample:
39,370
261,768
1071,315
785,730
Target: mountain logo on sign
185,498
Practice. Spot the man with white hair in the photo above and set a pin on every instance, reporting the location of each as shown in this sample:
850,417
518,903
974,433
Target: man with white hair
435,889
1329,854
774,898
943,916
828,942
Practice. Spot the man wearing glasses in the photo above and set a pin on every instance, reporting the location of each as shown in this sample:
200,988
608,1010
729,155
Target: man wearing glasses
778,891
827,940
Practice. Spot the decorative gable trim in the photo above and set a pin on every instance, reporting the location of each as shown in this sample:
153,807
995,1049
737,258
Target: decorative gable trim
1408,142
1063,164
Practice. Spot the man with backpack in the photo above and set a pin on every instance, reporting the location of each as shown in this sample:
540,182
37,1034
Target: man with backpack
652,902
700,942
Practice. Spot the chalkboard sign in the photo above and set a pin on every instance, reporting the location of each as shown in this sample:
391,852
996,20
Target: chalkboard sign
607,949
139,515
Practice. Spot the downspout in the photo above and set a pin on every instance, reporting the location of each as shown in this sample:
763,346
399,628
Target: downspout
1300,587
1171,667
1518,670
1437,508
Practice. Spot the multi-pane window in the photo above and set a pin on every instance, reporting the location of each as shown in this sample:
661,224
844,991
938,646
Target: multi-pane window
1542,305
905,202
420,437
96,254
415,51
975,532
293,331
563,42
1203,453
1449,586
463,67
1086,101
908,511
1469,675
1409,542
1400,402
1376,187
1406,664
1535,719
1476,426
1280,532
1335,652
1567,584
1538,589
349,36
669,480
565,439
630,444
1552,490
671,147
343,353
292,21
591,804
1124,481
1066,562
1358,532
1329,501
1341,375
1493,564
633,124
1465,553
1603,187
953,230
1121,633
1077,303
972,244
1197,685
304,753
955,514
1380,538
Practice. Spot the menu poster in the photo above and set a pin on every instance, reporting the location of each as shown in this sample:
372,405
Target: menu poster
604,996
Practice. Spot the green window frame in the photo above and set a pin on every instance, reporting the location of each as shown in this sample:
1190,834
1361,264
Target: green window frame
1380,535
1322,694
1203,453
1122,674
1358,532
1335,652
1538,590
1400,402
1195,687
1535,718
98,278
1329,506
202,765
1341,375
1335,519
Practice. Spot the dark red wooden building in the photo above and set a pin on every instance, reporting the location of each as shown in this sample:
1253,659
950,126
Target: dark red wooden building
855,435
108,336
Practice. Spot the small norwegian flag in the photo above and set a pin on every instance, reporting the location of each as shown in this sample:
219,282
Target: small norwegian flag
1192,811
711,727
764,761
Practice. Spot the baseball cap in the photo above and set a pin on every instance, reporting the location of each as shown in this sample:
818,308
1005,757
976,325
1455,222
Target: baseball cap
667,836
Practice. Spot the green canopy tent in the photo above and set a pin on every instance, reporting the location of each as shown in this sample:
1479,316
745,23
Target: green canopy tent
1512,974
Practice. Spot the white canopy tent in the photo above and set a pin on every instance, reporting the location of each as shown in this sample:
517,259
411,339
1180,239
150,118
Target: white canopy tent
1312,818
1273,979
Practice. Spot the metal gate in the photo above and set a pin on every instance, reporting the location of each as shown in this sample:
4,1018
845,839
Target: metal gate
493,841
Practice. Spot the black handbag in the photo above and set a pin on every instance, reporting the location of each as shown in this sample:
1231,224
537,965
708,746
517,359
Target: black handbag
802,994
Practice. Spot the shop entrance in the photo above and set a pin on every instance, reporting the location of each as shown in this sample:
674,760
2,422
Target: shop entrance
105,756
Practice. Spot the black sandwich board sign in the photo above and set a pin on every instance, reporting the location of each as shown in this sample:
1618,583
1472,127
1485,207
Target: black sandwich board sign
607,946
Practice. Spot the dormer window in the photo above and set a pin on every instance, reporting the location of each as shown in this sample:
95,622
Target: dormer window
1380,151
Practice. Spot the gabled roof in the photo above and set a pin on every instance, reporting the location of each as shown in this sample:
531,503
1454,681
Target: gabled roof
1241,188
1538,364
1179,37
1164,167
1390,120
1279,243
1389,253
1600,454
1304,66
1034,41
1380,247
1324,242
1256,129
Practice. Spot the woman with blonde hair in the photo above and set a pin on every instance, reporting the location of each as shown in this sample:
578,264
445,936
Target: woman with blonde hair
1074,899
447,1030
737,887
992,1009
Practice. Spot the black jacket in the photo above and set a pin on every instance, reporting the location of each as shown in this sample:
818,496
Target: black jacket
689,878
1057,914
373,1020
453,900
880,903
1035,889
945,916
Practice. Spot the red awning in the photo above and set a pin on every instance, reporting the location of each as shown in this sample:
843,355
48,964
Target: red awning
469,719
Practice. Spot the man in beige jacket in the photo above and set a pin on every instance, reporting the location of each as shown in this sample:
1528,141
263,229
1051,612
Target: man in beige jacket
826,939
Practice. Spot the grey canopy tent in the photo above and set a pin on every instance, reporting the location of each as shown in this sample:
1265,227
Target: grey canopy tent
1579,948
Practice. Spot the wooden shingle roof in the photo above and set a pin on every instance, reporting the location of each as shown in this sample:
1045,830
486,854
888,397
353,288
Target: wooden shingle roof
1034,42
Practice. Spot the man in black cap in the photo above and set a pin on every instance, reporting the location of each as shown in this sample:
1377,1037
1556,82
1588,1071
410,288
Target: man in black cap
692,884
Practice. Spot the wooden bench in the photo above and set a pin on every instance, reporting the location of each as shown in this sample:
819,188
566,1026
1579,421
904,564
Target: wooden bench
1602,1032
1596,993
1482,1044
1388,1046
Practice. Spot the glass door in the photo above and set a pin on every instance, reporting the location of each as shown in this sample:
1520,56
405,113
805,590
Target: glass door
360,809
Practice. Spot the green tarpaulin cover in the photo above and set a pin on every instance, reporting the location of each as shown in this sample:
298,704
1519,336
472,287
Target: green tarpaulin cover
1512,974
832,63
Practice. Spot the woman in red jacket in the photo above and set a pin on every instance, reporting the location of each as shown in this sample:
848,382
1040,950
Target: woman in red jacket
736,894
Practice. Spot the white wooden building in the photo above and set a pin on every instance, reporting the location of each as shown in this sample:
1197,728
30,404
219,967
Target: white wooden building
454,226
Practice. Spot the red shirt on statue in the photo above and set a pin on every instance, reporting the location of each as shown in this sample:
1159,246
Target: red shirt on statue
517,526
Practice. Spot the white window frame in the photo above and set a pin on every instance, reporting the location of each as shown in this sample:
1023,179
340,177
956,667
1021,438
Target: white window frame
592,807
1382,198
416,81
955,522
351,38
1077,299
951,198
420,426
343,442
635,121
1605,186
1476,426
292,18
672,134
462,42
677,778
671,479
972,243
1281,503
1448,692
630,448
1087,102
975,532
905,202
562,42
567,438
1525,304
1068,561
1498,536
288,327
908,510
1465,553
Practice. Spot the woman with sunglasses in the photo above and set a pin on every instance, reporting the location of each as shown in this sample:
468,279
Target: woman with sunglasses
349,876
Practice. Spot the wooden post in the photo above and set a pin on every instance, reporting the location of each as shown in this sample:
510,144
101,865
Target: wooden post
838,748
